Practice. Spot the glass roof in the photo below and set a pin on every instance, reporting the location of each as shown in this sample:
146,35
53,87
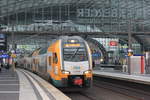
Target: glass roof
77,16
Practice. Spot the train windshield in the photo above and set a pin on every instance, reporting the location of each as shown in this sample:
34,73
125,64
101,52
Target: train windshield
75,54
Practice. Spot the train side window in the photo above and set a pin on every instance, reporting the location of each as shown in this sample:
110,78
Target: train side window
55,58
49,60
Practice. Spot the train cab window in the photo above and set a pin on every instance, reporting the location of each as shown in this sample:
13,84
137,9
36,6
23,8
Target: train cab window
75,54
55,58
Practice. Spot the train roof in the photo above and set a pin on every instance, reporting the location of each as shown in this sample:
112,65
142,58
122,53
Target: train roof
43,50
66,38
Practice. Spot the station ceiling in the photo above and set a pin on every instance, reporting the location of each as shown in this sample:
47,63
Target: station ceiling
135,12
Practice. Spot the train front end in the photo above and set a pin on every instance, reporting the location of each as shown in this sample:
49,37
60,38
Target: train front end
76,63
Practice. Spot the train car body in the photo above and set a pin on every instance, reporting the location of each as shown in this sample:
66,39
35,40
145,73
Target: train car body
67,62
35,60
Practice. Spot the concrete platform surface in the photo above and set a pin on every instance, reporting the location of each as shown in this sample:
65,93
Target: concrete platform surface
24,85
143,79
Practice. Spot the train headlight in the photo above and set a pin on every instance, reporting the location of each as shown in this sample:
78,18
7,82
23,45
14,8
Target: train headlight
65,72
72,41
87,72
101,60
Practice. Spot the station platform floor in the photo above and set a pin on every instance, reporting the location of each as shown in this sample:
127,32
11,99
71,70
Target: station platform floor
24,85
137,78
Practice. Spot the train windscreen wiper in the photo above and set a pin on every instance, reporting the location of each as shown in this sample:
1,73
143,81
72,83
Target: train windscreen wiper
74,53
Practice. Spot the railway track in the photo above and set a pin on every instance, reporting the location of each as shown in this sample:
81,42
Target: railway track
132,90
103,90
118,90
80,96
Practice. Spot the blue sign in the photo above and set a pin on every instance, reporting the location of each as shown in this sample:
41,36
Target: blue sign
96,54
4,56
138,55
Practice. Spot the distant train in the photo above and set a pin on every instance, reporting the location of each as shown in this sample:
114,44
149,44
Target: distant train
67,62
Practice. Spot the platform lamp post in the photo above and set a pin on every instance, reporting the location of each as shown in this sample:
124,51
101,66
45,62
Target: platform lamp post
13,50
130,51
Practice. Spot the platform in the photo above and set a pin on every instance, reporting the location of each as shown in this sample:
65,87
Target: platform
142,79
24,85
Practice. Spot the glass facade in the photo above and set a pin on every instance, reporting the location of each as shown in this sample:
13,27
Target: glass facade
117,50
77,15
107,43
107,17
